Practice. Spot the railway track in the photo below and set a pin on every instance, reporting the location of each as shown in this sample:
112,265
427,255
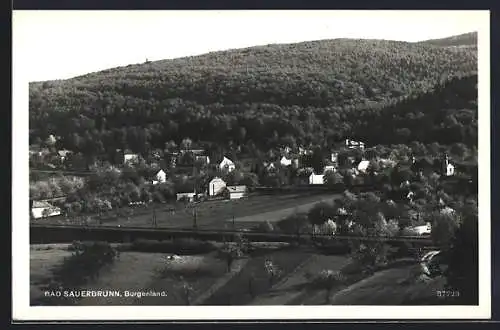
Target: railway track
48,233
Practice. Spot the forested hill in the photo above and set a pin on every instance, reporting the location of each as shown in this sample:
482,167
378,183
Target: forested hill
466,39
308,92
447,115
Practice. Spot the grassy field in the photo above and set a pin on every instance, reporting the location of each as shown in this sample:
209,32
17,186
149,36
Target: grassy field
218,214
395,286
42,260
295,288
209,282
253,280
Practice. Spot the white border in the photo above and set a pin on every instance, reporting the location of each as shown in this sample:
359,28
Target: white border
20,231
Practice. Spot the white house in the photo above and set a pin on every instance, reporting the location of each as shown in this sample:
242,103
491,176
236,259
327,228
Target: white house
316,179
351,144
227,164
216,186
269,166
189,196
329,168
450,169
160,177
363,166
417,230
63,154
334,157
129,158
285,161
303,151
42,209
236,192
202,159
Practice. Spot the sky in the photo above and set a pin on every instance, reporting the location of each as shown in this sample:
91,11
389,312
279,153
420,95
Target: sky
63,44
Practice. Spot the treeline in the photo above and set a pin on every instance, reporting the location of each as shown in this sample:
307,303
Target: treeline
308,93
466,39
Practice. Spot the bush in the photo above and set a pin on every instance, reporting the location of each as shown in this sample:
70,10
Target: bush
370,254
294,224
84,264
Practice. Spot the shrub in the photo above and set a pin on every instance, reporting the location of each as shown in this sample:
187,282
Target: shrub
84,264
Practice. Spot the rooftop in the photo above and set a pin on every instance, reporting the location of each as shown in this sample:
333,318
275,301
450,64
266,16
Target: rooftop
236,189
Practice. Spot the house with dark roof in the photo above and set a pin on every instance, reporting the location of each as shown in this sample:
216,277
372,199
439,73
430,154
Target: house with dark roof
63,154
226,165
236,192
43,209
351,144
186,196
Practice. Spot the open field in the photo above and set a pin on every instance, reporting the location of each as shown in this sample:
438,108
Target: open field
42,260
396,286
247,212
209,282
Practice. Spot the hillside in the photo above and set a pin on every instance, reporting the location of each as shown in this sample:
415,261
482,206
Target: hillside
259,96
446,114
466,39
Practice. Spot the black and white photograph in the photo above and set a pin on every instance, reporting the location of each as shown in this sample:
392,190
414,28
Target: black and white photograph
251,164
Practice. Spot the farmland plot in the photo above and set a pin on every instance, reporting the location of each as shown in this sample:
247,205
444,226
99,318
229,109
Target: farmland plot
296,286
253,280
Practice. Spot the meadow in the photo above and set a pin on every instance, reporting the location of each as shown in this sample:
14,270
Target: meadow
204,279
219,214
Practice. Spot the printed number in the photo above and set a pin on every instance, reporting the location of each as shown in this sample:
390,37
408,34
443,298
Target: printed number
447,293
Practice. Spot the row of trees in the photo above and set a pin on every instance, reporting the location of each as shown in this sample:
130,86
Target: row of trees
108,187
54,187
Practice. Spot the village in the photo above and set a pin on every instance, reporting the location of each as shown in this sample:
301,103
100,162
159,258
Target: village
194,177
316,197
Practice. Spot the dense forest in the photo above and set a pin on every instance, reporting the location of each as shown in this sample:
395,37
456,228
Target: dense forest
466,39
311,93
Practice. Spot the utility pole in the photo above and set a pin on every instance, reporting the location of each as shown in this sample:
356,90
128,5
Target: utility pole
155,224
232,208
195,215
